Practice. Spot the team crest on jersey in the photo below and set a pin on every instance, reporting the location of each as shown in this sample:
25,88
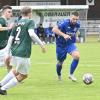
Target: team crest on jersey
75,29
68,27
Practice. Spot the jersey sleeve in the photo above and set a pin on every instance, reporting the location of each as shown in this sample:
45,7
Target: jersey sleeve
61,25
31,25
1,22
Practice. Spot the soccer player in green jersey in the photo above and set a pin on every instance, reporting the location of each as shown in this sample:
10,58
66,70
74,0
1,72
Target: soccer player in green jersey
6,14
20,43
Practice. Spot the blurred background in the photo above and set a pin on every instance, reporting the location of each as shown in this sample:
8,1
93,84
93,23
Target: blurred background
45,18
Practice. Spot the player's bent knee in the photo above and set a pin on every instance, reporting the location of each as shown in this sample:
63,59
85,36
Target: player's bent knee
76,55
21,77
60,63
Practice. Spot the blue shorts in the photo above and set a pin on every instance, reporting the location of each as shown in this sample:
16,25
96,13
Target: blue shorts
61,53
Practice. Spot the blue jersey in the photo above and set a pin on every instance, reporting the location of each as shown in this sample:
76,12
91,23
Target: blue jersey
67,28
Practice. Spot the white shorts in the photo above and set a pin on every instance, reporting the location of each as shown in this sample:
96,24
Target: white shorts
2,56
21,64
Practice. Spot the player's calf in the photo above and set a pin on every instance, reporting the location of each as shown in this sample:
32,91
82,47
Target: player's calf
58,69
74,64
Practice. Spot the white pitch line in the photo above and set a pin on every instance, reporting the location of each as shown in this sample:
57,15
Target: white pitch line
47,63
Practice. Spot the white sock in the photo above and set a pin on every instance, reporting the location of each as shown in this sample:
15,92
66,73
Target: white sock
13,82
5,80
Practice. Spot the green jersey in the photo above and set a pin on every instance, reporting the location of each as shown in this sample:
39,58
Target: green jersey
3,34
22,43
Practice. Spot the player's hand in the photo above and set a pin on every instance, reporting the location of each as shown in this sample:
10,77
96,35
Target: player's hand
7,57
77,39
66,37
43,49
10,26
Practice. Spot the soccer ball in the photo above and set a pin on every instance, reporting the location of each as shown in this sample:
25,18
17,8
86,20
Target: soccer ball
87,78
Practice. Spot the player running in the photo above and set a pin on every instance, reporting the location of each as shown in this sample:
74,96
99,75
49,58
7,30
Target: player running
65,43
20,42
6,14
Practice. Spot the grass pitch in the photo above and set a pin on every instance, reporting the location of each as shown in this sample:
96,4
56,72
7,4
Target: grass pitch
42,83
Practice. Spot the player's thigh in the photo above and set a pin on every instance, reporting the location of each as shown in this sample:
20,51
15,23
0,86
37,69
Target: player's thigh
61,54
13,61
73,51
7,60
21,64
2,57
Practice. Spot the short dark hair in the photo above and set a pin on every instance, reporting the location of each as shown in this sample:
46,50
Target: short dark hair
26,10
6,7
75,13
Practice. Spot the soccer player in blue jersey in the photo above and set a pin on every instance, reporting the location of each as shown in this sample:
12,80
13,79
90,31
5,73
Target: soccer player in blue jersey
66,43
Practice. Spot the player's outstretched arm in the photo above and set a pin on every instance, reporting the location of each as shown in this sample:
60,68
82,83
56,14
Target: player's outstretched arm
6,28
35,38
58,32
